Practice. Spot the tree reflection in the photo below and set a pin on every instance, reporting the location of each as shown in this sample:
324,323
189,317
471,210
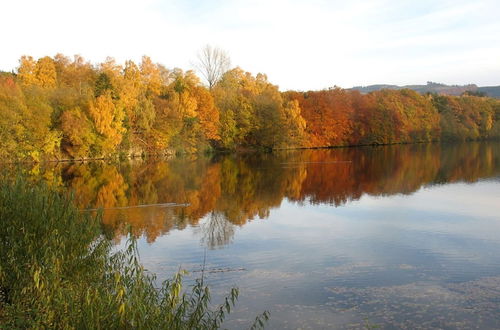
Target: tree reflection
216,194
216,230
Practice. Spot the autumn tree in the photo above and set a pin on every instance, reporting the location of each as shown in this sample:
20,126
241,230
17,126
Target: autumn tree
107,119
78,134
152,78
468,117
13,110
295,124
236,111
329,116
26,71
208,114
186,113
45,72
75,76
254,113
25,122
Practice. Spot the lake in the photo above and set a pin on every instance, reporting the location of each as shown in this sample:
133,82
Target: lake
395,236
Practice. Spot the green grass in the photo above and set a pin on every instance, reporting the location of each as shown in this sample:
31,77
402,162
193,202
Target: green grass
57,270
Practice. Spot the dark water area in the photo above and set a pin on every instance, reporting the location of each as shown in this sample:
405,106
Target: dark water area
404,236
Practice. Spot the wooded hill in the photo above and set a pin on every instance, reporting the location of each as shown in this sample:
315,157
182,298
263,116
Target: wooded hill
58,107
437,88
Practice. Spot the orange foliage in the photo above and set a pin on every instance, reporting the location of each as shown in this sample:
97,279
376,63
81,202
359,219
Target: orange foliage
328,114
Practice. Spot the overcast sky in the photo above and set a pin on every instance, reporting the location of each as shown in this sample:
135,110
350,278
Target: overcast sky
302,45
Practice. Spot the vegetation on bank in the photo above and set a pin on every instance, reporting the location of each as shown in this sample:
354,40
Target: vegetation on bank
58,271
57,107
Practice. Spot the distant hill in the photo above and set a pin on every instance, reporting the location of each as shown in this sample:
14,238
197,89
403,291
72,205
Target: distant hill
432,87
493,91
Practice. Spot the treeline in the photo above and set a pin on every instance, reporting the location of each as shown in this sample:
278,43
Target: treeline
57,107
229,190
339,117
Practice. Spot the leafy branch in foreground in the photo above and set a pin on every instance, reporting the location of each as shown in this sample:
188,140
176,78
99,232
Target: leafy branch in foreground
58,271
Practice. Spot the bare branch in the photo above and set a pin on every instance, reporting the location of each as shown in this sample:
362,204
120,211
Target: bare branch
212,63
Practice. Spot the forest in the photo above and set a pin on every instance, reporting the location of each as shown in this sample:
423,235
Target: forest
55,108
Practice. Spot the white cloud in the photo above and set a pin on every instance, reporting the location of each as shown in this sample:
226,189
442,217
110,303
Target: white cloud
299,44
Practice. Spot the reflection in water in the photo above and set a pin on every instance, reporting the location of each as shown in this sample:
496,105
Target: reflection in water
216,231
405,250
231,190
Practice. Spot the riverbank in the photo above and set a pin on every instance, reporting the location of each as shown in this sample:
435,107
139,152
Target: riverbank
239,151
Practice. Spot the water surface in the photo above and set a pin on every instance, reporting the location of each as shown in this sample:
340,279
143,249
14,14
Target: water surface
397,236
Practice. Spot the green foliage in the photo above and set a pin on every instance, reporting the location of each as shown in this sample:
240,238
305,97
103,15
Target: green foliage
474,93
58,271
253,112
468,117
229,130
102,85
410,117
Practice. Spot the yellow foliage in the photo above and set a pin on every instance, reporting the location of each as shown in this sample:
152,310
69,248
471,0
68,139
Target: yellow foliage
77,133
130,87
45,72
108,122
26,71
151,76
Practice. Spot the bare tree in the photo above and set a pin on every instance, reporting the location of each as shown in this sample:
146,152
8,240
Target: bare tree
212,62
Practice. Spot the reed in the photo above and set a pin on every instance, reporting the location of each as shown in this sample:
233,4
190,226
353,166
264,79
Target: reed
57,270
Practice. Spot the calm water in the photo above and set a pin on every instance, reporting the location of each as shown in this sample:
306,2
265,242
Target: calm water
400,236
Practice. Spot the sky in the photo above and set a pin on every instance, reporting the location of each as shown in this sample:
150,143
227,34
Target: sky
300,45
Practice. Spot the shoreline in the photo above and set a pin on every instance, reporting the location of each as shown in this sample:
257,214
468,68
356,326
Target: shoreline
235,152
